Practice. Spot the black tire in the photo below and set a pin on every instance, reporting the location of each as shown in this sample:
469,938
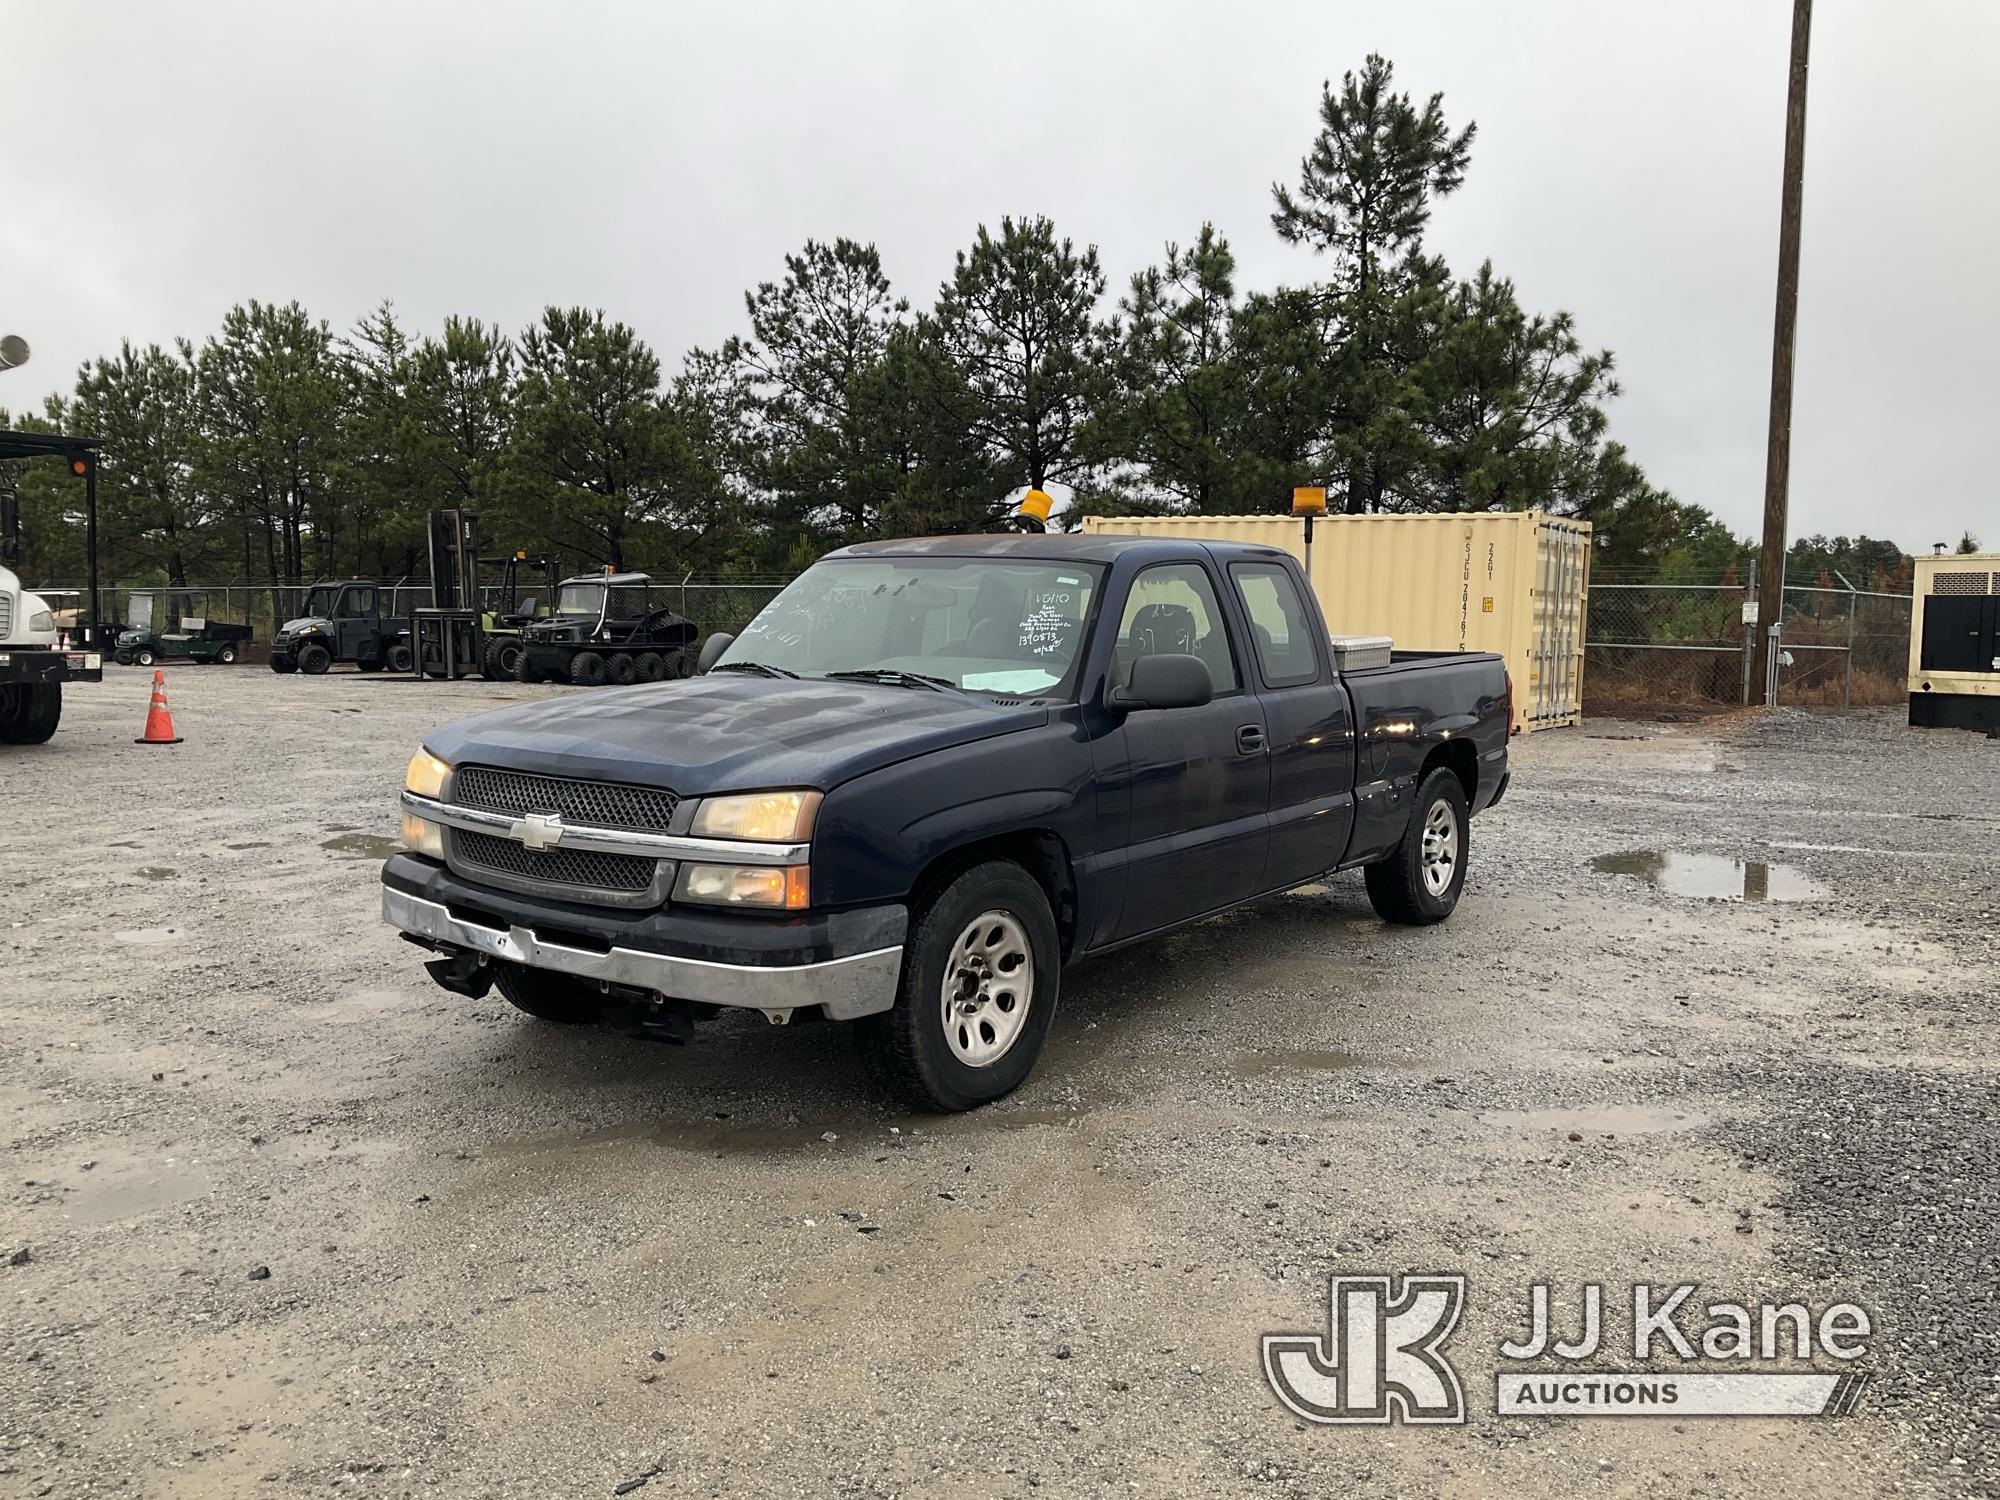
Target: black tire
555,998
143,656
314,658
283,664
621,669
586,669
503,655
370,664
907,1047
1398,887
648,666
678,663
123,658
399,657
227,656
29,712
525,670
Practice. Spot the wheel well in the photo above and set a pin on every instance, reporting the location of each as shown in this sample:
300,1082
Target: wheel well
1038,851
1462,760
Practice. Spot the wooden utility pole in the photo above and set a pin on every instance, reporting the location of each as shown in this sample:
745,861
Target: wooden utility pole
1778,455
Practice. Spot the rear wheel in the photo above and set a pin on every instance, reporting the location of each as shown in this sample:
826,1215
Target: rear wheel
981,973
29,712
143,657
400,657
371,664
648,666
313,659
621,669
586,669
678,663
556,998
283,664
227,655
525,670
1420,882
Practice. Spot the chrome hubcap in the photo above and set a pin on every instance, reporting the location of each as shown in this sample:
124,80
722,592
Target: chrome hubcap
989,981
1440,848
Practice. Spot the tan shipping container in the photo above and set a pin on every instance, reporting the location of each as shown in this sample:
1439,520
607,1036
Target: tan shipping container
1512,582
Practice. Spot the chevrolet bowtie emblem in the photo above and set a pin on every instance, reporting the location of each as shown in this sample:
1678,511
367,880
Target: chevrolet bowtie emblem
537,831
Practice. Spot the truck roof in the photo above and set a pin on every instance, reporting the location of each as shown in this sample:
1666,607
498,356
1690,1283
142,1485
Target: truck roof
607,578
1054,546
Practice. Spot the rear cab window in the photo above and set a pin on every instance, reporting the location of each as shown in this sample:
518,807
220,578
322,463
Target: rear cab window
1280,624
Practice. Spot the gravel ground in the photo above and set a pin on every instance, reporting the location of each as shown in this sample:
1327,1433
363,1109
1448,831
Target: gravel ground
295,1218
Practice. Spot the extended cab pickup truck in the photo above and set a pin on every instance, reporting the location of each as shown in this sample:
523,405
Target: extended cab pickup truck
926,777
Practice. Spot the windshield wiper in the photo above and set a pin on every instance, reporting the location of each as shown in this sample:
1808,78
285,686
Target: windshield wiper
761,668
900,678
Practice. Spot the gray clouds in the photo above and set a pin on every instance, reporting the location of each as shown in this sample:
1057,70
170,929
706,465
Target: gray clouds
164,161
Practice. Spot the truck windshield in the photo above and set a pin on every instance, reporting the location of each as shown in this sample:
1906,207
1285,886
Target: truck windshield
982,624
580,599
319,604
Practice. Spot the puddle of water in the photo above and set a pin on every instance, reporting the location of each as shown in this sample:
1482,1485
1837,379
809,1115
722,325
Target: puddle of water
1265,1064
147,935
1603,1119
1712,877
123,844
106,1196
156,872
250,844
361,845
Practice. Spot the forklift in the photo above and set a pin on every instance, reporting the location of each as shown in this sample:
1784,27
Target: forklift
459,634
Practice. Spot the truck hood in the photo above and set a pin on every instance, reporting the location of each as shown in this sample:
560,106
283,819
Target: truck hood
306,622
728,733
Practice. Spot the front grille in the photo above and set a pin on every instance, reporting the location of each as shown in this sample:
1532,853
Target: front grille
583,869
596,804
6,615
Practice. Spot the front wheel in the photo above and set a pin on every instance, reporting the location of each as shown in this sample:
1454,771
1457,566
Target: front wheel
283,664
313,659
525,670
586,669
29,712
555,998
1419,883
981,973
143,657
503,658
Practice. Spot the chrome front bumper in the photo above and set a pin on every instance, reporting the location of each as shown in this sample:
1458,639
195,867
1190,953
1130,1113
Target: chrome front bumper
844,988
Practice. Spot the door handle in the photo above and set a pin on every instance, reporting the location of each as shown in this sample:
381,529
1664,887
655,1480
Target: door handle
1249,739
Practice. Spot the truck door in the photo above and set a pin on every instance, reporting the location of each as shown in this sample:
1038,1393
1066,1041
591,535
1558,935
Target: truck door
1198,779
355,627
1308,724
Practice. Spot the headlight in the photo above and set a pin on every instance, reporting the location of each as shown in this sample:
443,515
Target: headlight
41,621
782,886
422,836
426,775
768,817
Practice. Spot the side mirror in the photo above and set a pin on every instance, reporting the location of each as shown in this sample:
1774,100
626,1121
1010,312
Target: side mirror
1170,680
712,649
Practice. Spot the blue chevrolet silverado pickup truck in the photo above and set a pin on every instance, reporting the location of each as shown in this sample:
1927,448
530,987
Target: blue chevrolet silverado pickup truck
928,776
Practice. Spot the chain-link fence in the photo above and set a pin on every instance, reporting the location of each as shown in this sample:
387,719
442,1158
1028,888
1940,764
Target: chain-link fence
1692,643
713,604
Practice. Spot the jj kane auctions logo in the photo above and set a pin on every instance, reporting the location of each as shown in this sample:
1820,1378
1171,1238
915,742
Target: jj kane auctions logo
1381,1358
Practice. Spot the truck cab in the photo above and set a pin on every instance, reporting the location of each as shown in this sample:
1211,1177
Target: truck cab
34,665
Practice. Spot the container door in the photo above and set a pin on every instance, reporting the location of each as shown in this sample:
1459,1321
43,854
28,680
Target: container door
1956,630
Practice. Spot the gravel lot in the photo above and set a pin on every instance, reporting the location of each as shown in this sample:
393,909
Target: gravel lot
509,1260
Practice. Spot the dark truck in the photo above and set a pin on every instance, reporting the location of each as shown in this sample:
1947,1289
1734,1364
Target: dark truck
346,621
926,777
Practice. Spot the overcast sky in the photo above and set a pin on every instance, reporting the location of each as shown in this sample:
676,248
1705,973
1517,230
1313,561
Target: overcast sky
159,162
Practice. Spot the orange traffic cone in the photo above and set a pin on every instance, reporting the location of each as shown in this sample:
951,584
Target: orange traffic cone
159,723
